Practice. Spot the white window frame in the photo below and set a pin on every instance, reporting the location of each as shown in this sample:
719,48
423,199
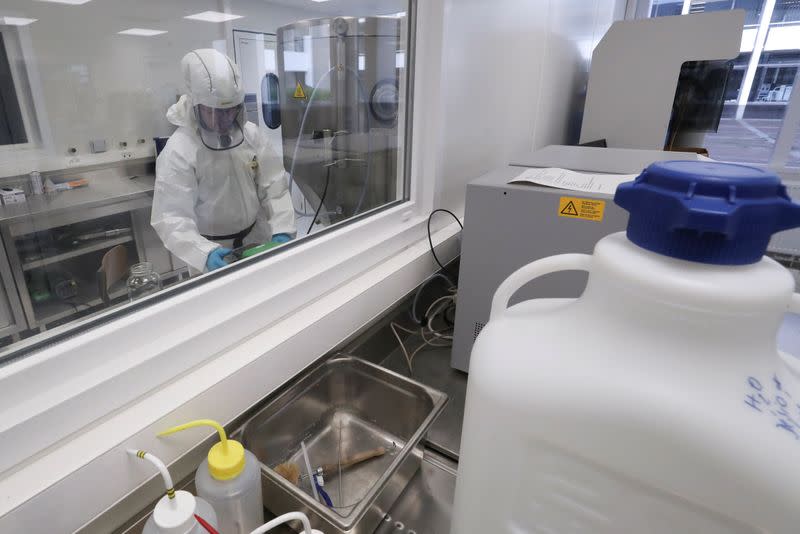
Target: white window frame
161,363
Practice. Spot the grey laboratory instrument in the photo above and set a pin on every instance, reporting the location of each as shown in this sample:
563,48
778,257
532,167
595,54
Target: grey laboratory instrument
527,218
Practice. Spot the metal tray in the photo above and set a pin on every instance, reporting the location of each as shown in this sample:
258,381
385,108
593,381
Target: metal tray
344,407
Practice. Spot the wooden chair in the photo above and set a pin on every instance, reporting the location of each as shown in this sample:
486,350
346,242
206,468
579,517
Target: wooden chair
113,268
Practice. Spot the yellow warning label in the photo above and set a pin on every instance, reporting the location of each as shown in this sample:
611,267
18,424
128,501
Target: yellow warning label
299,92
589,209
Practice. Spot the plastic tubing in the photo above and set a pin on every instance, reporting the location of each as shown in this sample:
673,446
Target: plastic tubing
302,129
369,141
308,470
285,518
363,93
434,276
161,468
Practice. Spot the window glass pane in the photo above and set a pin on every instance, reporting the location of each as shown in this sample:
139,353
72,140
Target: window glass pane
273,120
786,11
666,8
794,154
750,124
752,8
12,128
751,138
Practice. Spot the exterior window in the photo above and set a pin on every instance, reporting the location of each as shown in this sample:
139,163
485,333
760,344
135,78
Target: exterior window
762,84
12,127
185,142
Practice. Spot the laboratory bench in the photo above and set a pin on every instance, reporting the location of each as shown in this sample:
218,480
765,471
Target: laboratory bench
55,243
425,506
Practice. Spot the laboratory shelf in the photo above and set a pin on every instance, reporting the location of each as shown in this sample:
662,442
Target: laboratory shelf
78,251
54,310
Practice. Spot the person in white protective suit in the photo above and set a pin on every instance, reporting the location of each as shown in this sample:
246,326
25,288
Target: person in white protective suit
219,182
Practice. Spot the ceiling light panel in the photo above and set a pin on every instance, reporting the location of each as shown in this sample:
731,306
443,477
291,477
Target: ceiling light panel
142,32
213,16
68,2
16,21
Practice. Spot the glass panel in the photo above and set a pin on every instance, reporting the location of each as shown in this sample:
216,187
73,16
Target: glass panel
751,139
666,8
752,8
794,154
323,65
12,128
267,130
786,11
747,132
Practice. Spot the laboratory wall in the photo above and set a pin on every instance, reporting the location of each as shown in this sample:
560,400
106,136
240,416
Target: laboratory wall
86,82
514,79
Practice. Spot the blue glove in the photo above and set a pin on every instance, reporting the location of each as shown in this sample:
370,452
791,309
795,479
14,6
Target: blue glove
281,238
215,258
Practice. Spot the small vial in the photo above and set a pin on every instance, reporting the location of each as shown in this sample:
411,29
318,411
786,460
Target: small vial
37,186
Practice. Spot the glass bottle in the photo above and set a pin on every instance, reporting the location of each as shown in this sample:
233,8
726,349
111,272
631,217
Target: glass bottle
143,281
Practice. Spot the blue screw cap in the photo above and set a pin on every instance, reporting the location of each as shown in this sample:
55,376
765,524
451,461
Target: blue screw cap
708,212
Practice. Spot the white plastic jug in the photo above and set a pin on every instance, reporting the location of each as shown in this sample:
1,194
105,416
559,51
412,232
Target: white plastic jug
177,512
229,478
656,402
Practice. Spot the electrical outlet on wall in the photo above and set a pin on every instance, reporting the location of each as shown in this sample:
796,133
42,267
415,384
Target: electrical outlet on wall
97,146
127,155
74,161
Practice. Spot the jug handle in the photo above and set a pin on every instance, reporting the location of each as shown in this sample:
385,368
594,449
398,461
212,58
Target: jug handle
520,277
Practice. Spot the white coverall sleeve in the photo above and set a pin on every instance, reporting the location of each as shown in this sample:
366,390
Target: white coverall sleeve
173,216
273,191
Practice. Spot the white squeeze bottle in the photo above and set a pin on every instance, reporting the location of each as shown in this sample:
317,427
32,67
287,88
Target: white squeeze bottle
656,402
230,480
177,512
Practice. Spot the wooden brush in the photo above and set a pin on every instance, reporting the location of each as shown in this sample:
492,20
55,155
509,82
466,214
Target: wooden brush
291,471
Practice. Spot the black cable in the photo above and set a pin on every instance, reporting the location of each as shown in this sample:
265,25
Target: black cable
322,199
453,278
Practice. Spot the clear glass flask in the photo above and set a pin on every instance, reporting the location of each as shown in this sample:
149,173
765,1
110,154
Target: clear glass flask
143,281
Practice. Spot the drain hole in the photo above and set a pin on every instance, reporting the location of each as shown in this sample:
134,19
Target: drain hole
399,526
387,518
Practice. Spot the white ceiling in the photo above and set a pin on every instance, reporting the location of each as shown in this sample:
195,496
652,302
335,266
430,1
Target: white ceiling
346,7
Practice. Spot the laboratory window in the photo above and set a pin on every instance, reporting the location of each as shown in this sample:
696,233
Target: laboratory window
761,82
12,127
148,147
786,11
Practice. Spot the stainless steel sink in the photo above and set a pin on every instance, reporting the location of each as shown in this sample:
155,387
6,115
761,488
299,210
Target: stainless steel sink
345,407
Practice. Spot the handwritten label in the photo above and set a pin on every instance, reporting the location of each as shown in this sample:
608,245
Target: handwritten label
771,398
574,181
